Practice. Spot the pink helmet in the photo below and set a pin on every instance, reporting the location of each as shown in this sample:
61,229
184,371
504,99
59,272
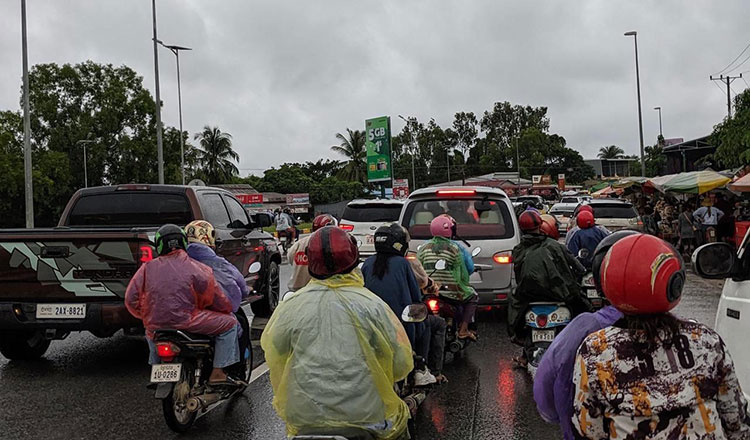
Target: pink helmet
443,226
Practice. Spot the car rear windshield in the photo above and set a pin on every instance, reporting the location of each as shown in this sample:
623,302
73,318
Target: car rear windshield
372,212
130,209
614,211
492,221
569,200
566,211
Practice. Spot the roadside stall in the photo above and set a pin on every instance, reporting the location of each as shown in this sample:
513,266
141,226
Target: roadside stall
742,208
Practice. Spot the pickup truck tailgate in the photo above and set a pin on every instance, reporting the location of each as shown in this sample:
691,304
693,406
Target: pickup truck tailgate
69,264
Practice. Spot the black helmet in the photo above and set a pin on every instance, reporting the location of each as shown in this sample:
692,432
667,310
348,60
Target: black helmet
391,239
601,251
170,237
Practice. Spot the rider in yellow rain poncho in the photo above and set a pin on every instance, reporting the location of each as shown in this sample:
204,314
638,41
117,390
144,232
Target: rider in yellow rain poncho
334,349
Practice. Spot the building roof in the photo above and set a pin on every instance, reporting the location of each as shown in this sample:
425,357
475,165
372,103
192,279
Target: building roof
693,144
491,179
271,197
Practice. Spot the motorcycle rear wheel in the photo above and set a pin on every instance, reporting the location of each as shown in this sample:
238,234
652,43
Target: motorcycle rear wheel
178,417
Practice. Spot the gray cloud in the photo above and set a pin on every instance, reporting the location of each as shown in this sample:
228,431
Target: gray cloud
284,77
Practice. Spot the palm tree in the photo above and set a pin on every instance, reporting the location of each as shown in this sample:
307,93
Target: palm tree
611,152
353,147
215,154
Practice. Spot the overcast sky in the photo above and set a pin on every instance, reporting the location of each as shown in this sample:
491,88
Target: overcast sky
284,77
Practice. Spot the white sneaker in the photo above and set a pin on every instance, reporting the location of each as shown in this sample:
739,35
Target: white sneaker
424,378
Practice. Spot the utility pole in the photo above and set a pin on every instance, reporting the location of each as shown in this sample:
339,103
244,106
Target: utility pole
728,81
29,184
413,151
159,145
634,34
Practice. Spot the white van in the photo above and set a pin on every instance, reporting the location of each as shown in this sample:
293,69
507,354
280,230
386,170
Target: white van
716,261
484,218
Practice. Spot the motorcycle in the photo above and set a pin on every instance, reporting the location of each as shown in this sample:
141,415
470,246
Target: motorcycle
180,380
544,321
448,309
588,287
411,394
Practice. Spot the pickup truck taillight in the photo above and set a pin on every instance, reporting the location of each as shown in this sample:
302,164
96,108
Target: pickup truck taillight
147,254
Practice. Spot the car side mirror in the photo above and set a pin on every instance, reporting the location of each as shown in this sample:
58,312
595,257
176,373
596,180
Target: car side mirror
477,250
714,260
414,313
254,268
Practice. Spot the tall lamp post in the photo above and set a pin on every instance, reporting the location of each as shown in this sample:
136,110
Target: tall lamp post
413,151
176,51
85,167
634,34
27,176
659,110
159,144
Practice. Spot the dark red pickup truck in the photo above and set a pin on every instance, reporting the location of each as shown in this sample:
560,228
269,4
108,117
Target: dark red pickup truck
73,277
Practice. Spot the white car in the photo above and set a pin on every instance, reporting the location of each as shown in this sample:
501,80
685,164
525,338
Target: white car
485,220
718,261
362,218
563,212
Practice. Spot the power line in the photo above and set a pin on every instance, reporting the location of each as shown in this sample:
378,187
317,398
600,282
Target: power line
738,65
733,61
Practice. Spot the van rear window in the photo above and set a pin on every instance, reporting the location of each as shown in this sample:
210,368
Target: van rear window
141,208
493,223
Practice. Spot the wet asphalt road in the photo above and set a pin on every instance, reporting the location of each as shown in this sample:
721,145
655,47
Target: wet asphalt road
90,388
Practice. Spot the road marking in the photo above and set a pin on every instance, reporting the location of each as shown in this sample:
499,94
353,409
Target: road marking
259,371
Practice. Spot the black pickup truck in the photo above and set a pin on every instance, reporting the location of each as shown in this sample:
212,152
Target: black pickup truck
73,277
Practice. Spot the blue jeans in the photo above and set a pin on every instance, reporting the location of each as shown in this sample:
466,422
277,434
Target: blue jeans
226,349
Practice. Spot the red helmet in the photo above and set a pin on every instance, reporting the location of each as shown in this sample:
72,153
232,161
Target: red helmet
642,275
331,251
549,226
443,226
585,219
323,220
585,208
529,221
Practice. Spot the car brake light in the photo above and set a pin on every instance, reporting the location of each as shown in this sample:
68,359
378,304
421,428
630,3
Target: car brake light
258,248
456,192
433,305
132,187
502,258
541,321
167,350
346,227
147,254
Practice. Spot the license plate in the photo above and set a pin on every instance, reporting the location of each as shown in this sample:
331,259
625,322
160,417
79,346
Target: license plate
542,335
165,373
592,293
370,239
60,311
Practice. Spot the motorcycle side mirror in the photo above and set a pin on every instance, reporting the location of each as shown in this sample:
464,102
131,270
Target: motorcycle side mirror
359,243
360,265
440,265
254,268
477,250
420,247
583,253
414,313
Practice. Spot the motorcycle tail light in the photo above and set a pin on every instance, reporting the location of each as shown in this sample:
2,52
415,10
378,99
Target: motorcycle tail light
167,351
147,254
541,321
433,305
258,248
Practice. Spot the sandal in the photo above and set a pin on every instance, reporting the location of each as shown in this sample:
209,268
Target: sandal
469,335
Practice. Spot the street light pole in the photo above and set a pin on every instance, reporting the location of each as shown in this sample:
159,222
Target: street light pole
634,34
159,145
448,161
176,51
413,151
659,110
27,176
85,167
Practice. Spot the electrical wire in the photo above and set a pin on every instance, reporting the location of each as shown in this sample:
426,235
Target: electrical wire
734,60
738,65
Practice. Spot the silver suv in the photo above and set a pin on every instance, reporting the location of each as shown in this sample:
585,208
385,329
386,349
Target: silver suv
485,219
362,218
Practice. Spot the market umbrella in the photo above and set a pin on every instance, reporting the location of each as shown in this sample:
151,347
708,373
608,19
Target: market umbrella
599,186
742,184
693,182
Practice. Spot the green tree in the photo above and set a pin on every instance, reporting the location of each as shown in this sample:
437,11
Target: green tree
352,147
216,156
732,136
464,136
610,152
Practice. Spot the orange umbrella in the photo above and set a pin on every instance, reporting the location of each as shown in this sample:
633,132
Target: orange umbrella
742,184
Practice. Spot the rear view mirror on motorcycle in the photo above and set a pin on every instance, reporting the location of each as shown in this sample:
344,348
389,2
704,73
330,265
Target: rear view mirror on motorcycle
583,254
414,313
440,265
254,268
477,250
